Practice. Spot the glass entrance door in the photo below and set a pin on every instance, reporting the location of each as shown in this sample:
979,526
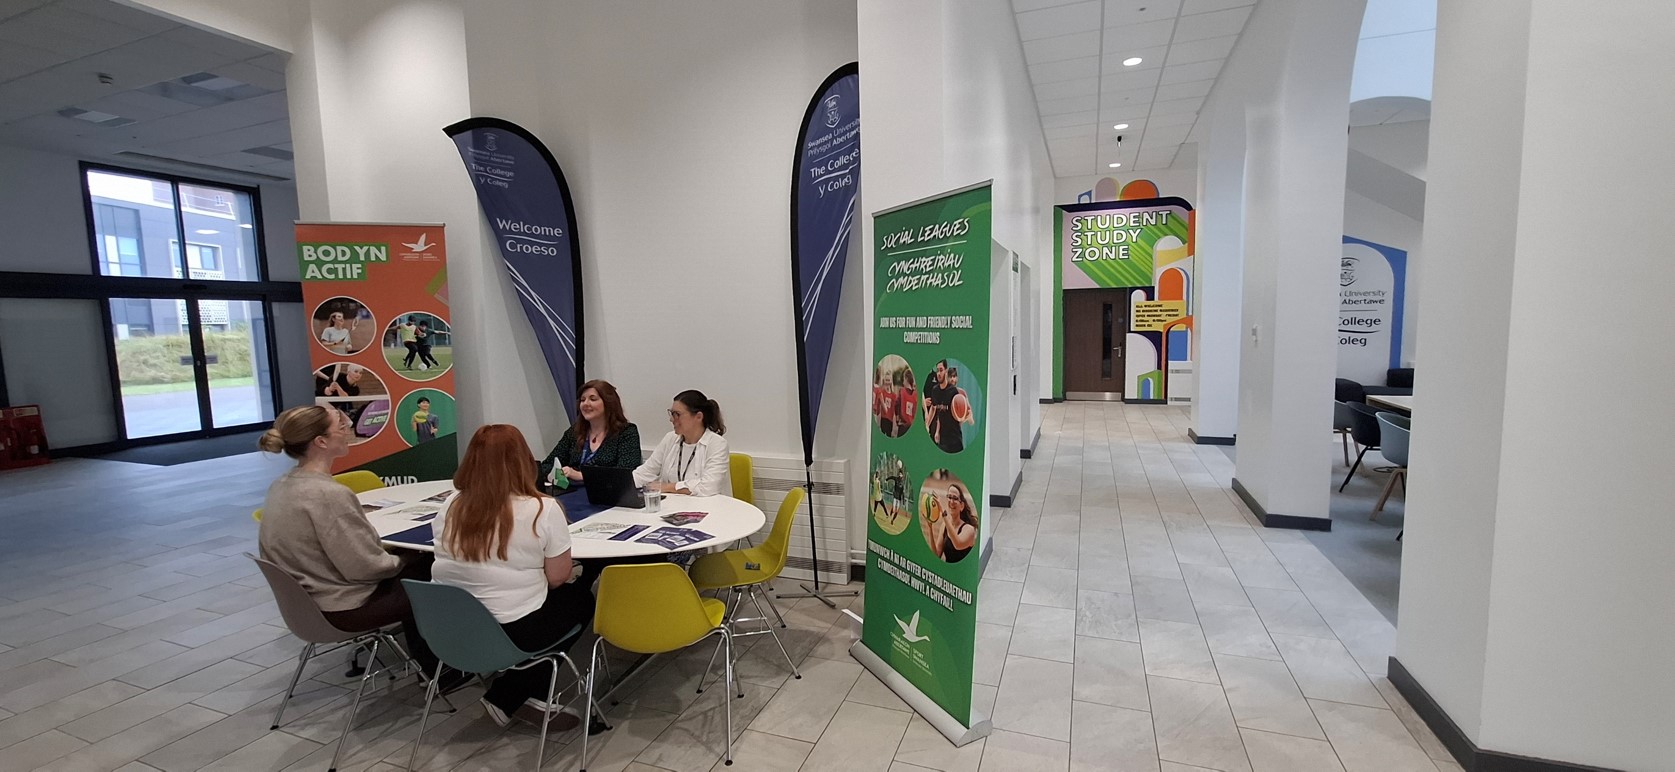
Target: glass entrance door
185,365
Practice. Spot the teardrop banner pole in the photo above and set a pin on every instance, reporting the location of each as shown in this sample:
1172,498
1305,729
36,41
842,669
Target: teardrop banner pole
826,175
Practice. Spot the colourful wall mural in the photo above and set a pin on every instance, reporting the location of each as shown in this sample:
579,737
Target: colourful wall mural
1141,244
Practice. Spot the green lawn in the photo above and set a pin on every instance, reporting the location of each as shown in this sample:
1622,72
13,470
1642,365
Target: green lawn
161,388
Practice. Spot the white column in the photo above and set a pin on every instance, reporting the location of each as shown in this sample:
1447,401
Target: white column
1296,146
1536,583
1219,243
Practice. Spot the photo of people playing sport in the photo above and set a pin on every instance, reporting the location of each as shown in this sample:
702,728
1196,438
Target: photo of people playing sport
947,516
888,500
344,326
356,391
419,346
424,415
951,410
895,396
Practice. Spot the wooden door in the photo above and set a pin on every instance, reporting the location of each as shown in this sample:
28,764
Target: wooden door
1095,326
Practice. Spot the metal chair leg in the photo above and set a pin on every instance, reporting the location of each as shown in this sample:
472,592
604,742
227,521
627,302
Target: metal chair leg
547,715
1345,436
770,598
1351,475
302,661
727,705
349,723
424,716
587,707
775,636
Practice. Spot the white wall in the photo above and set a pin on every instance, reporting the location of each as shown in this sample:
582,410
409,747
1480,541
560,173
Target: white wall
1535,583
268,23
1219,272
1181,182
42,213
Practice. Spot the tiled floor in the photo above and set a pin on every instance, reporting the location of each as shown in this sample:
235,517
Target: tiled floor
1131,618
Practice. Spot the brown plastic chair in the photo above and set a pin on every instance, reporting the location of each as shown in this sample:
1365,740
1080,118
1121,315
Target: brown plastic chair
305,620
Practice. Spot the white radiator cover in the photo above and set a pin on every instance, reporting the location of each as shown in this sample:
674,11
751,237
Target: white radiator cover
775,476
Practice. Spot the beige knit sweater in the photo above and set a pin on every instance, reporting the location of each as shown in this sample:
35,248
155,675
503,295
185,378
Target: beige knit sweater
312,527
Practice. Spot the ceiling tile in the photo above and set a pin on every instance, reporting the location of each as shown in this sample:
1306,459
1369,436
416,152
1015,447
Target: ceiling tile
1065,89
1197,88
1206,6
1173,119
1187,156
117,13
1150,59
1121,12
1108,136
246,72
1057,49
1133,100
18,60
1069,69
1134,116
231,50
274,62
1168,135
1069,119
1059,20
1021,6
1175,106
1071,105
1064,132
137,105
1119,41
1152,165
1130,78
1201,50
1185,73
1211,25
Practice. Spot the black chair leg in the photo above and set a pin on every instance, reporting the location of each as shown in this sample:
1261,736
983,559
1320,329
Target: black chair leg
1351,475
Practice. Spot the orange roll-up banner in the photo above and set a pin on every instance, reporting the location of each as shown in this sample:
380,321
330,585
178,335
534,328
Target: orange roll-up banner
383,351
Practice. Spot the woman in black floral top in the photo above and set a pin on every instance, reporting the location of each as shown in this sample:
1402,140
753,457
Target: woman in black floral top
602,436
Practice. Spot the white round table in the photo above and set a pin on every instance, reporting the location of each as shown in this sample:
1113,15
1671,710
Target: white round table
726,520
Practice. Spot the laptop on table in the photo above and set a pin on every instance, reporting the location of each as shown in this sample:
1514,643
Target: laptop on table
605,487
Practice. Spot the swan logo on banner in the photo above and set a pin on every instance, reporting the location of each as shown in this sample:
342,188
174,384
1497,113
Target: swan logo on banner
833,117
527,203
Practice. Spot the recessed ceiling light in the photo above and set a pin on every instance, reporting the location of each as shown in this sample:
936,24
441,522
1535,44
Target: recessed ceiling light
1113,166
1131,61
1120,126
206,231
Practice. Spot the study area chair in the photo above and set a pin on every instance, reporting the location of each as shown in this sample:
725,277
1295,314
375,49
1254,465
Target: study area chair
465,636
744,573
1394,431
305,620
742,468
1340,426
1363,426
653,608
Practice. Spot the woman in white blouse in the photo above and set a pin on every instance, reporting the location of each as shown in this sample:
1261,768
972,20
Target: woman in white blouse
509,546
692,459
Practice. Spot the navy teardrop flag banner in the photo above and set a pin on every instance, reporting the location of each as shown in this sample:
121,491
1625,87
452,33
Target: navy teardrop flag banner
827,176
527,203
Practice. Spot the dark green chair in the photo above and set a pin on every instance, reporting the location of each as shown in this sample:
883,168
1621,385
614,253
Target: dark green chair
465,636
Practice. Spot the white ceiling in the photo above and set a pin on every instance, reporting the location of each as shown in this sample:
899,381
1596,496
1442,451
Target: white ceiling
53,51
1075,49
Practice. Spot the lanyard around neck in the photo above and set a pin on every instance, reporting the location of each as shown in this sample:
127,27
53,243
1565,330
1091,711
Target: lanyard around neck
682,463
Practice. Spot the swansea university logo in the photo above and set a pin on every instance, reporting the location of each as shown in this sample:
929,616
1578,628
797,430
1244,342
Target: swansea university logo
1346,271
832,116
488,142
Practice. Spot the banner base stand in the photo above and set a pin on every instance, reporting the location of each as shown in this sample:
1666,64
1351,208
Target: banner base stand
950,727
824,596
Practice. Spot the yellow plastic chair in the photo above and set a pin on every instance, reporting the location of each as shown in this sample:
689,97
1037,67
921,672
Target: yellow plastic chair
742,468
360,481
654,609
745,572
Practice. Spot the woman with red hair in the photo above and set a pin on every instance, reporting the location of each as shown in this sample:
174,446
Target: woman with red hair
509,546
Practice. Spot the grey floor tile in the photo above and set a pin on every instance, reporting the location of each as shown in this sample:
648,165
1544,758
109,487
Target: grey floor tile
1044,632
1236,630
1008,564
1048,586
802,709
1110,673
1176,650
130,744
762,752
1214,585
1415,725
997,601
275,750
922,746
1035,697
1325,671
1368,739
144,707
868,690
993,642
40,749
1165,598
1264,697
1105,738
1106,615
1283,753
1195,726
860,737
1016,752
1286,612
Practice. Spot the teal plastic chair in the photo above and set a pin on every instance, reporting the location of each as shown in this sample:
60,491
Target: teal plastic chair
1394,431
465,636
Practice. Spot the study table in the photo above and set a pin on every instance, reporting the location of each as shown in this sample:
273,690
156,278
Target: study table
402,515
1397,402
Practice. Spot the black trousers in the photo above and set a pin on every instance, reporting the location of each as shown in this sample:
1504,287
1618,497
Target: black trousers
567,605
387,606
412,351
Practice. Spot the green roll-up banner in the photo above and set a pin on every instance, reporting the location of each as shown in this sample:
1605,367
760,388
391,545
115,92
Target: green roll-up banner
930,364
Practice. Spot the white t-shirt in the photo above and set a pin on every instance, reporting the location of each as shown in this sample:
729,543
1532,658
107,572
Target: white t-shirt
516,586
335,338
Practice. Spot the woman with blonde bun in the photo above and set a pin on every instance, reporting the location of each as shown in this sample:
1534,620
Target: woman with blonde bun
313,528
